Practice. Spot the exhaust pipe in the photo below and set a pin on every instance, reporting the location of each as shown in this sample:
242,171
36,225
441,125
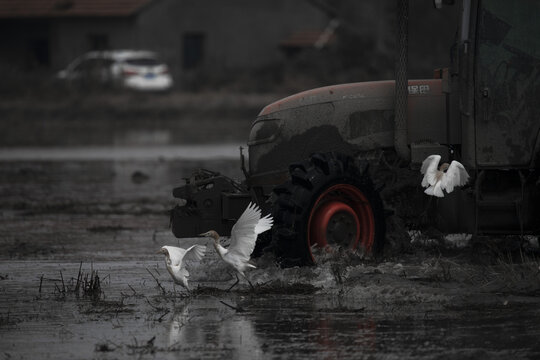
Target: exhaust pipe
401,85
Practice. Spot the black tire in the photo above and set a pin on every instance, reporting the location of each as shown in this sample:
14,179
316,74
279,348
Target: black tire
324,189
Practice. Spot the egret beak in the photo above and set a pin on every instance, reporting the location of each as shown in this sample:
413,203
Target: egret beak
203,234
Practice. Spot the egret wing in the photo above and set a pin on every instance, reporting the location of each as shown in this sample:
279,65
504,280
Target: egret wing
176,254
183,271
429,169
195,253
456,175
243,234
264,224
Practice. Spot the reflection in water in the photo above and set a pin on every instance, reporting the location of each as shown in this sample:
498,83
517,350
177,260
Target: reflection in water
179,319
229,333
366,338
315,328
332,334
239,334
296,326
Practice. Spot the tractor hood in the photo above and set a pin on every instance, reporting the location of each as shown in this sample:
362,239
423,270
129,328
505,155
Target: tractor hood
332,94
345,118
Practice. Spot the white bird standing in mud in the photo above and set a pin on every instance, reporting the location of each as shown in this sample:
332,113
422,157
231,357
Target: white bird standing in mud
446,177
243,237
175,259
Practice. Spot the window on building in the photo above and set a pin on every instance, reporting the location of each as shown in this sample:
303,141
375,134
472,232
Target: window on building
39,49
98,41
193,50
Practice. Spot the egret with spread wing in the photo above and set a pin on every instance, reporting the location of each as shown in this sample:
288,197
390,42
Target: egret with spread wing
446,177
243,237
175,259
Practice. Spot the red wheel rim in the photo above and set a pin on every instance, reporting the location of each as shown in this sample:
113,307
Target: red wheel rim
341,215
334,222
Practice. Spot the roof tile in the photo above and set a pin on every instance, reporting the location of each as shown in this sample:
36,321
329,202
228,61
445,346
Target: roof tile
69,8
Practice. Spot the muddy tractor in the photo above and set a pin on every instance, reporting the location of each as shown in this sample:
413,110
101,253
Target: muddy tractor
331,164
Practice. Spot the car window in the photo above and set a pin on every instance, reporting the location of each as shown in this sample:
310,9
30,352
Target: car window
87,64
143,62
92,65
80,66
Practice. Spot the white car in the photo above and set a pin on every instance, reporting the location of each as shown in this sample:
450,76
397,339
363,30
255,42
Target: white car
132,69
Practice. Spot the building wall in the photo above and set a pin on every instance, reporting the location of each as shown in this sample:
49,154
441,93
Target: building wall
71,38
238,34
20,42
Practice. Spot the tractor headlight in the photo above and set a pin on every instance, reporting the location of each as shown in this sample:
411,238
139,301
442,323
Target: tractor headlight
264,131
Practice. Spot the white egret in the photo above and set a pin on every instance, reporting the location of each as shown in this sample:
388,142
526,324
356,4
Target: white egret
175,259
446,177
243,237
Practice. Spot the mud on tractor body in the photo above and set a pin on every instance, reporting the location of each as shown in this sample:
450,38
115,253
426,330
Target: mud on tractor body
331,163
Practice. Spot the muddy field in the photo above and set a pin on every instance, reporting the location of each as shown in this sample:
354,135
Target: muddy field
66,224
80,279
126,118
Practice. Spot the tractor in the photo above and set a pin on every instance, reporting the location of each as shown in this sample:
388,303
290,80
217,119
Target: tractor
332,163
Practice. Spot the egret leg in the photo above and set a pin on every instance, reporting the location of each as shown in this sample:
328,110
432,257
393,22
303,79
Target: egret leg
233,285
233,274
250,284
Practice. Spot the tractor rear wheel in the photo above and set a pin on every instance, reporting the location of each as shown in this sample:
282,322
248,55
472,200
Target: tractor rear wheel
328,203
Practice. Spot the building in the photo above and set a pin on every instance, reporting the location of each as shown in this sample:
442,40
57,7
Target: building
202,40
201,37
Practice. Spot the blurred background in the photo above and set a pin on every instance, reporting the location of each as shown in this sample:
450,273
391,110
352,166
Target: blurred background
164,72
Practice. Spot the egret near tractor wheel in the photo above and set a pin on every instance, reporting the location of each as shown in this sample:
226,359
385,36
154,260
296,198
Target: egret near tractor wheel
329,202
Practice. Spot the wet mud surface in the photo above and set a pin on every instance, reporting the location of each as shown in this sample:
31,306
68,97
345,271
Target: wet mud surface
67,225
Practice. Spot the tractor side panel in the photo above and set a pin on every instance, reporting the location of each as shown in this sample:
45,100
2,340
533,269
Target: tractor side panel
427,115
